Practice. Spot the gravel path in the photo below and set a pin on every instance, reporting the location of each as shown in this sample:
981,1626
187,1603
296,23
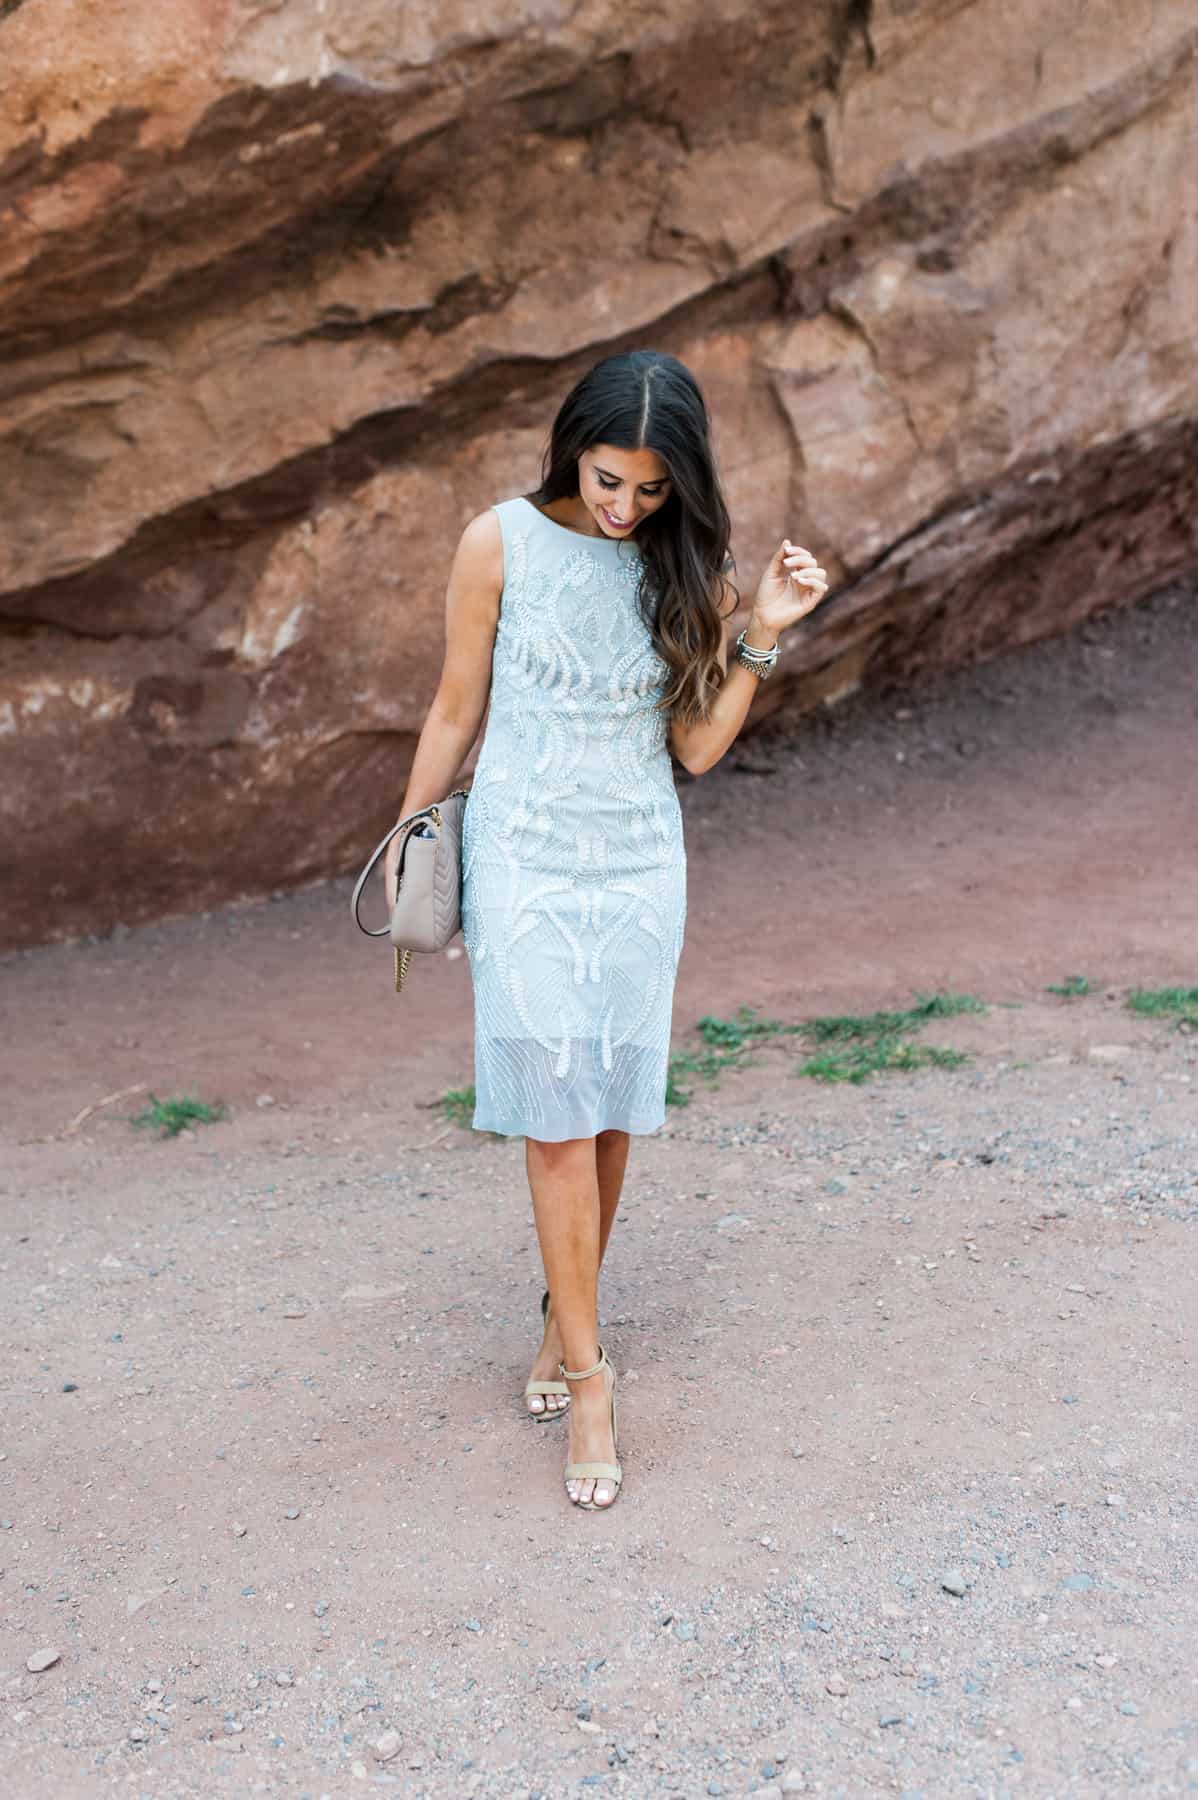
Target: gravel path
907,1423
907,1369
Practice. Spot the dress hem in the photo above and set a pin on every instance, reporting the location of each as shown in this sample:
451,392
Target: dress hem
566,1136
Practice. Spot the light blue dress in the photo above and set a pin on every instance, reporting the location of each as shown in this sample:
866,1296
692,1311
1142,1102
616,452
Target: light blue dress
573,862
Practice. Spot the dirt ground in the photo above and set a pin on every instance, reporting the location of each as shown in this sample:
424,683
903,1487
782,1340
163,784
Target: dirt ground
906,1369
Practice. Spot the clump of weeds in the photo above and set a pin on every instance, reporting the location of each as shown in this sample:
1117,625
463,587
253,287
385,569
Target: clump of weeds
1178,1004
844,1048
1072,988
855,1048
728,1044
170,1117
458,1105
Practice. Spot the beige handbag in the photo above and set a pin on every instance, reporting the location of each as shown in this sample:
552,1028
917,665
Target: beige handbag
428,900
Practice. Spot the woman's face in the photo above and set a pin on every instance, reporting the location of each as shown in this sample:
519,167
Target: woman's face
619,488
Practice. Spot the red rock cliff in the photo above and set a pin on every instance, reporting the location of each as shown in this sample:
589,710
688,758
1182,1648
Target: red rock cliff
288,292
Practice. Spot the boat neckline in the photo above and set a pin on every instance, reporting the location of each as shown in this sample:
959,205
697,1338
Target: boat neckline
586,537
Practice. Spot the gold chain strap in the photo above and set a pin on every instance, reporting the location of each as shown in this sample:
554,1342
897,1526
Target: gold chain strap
402,959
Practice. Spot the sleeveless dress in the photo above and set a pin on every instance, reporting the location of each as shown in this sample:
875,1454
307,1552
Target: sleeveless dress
573,861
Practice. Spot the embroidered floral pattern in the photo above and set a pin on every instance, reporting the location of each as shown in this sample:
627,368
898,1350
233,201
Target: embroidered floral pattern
573,862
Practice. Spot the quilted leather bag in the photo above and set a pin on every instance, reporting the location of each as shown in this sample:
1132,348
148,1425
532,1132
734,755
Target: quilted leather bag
428,900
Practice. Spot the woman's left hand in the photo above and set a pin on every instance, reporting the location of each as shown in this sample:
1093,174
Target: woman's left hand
793,586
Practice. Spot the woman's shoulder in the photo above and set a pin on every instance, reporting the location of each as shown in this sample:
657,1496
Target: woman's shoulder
480,546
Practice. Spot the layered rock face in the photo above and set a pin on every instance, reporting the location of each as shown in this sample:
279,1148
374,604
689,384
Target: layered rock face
288,292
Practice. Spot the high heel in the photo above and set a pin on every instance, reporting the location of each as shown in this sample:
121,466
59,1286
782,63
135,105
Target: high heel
609,1472
546,1387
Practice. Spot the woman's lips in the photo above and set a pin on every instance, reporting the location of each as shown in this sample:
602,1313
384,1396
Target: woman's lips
616,524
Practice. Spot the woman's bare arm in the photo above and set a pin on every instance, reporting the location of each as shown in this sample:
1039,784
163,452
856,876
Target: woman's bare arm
793,585
727,713
452,724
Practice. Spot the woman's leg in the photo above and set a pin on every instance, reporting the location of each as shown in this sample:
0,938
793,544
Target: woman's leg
611,1158
564,1181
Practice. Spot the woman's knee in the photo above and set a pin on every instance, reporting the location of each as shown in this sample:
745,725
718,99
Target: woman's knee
561,1153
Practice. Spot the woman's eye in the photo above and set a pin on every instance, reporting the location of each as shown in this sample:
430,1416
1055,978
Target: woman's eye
608,484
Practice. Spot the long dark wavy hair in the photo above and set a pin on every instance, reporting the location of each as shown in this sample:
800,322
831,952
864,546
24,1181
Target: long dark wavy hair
648,400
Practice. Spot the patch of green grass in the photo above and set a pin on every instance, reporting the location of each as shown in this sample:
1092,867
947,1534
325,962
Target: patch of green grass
856,1048
709,1064
1071,988
734,1033
861,1060
170,1117
675,1094
729,1045
1179,1004
458,1105
846,1028
849,1048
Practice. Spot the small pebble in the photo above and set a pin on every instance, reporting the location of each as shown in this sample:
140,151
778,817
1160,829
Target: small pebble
293,1512
239,1530
387,1746
1130,1708
793,1783
284,1678
836,1684
70,1387
41,1660
954,1582
885,1719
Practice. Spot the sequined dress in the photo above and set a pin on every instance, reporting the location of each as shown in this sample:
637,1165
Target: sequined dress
573,861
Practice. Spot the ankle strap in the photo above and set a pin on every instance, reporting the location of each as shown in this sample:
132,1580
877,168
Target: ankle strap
581,1374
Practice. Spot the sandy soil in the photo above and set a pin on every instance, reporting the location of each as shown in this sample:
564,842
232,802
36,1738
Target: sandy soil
265,1482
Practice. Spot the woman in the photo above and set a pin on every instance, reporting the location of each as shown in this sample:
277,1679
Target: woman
590,614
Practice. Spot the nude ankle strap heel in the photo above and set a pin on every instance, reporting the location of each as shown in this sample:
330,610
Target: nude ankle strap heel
610,1472
546,1387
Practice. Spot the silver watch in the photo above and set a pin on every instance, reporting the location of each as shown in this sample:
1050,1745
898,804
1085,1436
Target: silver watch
762,662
